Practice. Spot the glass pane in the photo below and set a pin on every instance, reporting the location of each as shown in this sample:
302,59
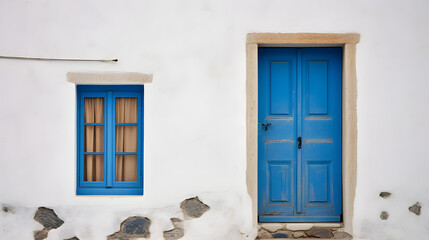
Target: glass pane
126,138
93,169
94,110
94,139
126,168
126,110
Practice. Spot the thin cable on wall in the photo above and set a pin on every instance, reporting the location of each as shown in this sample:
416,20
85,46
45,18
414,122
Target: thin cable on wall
60,59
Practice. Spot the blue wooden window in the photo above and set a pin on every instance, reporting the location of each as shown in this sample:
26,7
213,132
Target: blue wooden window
109,140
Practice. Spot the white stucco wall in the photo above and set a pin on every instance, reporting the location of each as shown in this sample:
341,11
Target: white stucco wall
195,107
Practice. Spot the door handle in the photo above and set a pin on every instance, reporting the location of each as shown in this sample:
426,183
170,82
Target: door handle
265,126
299,142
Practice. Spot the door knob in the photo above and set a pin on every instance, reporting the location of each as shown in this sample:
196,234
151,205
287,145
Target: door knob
299,142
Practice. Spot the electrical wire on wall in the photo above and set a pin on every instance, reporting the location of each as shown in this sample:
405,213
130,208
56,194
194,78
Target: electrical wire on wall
60,59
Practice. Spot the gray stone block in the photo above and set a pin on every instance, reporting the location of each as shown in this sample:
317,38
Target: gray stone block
136,226
384,215
174,234
48,218
298,234
342,235
193,207
177,222
416,208
264,234
385,194
281,235
40,235
319,233
132,227
177,232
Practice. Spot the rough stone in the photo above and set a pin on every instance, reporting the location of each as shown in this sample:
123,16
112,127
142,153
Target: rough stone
177,222
281,235
118,236
416,208
177,232
342,235
193,207
132,227
264,234
136,226
384,215
48,218
299,234
272,227
385,194
319,233
40,235
174,234
299,226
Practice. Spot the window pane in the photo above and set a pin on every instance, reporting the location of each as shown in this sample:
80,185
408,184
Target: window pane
94,110
93,168
126,168
126,110
94,139
126,138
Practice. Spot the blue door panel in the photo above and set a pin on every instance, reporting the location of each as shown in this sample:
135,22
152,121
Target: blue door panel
317,90
279,151
299,96
321,127
280,130
317,187
279,181
278,113
280,87
318,178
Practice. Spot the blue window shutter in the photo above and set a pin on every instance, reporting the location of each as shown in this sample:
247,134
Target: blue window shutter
109,186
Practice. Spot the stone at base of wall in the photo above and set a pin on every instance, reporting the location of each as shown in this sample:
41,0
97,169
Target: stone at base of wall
302,231
134,227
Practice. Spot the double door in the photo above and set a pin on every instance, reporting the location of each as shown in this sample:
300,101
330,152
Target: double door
299,136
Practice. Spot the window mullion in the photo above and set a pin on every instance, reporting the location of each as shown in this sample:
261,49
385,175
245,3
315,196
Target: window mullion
110,140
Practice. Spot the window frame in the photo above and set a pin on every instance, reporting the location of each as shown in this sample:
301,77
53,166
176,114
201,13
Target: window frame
109,186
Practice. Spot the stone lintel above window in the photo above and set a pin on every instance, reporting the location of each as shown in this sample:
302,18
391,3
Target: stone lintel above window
109,78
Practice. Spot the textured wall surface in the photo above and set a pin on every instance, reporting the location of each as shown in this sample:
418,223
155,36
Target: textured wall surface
195,108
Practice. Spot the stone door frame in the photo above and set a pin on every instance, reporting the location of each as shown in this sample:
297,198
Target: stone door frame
348,42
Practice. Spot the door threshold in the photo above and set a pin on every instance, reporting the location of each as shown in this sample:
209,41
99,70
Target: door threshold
312,230
298,226
301,238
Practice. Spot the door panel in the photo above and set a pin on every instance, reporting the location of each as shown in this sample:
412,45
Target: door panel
279,181
317,89
278,114
299,96
280,87
321,127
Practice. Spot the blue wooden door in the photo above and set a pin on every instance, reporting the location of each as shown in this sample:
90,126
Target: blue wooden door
299,136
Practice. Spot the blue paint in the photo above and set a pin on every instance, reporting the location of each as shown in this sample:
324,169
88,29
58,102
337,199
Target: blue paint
279,178
300,96
279,87
317,74
109,186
